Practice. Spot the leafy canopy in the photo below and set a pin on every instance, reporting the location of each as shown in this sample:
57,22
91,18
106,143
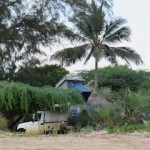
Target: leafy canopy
18,98
40,76
119,77
25,27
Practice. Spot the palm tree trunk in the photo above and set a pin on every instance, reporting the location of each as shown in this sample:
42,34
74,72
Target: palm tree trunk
96,73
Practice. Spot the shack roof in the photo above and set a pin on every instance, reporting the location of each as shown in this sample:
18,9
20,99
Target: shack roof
69,78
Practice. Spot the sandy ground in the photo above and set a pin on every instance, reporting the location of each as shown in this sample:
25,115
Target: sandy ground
93,141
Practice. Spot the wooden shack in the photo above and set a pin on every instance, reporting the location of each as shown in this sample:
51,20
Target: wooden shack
74,82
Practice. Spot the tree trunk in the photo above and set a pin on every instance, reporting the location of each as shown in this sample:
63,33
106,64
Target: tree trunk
14,123
10,119
96,74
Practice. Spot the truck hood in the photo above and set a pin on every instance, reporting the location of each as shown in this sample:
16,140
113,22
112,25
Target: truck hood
24,125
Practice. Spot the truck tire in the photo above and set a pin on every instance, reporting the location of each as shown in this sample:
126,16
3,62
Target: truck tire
21,130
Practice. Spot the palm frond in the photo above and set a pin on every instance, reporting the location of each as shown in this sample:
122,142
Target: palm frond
90,24
97,19
127,54
113,26
109,54
107,4
119,35
70,55
89,55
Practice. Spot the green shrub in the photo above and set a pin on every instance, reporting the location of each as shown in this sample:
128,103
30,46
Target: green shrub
108,116
3,123
135,104
83,119
99,118
72,120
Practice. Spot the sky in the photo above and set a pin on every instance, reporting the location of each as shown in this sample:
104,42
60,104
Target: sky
136,12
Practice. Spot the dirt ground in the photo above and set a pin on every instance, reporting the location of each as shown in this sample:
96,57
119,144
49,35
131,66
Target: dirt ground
93,141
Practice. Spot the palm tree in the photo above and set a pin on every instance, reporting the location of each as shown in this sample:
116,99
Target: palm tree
99,36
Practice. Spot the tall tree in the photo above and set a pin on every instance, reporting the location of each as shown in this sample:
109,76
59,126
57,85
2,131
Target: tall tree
99,34
40,76
25,26
119,77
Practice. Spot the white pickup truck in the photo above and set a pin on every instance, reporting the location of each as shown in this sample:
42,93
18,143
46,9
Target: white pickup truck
44,122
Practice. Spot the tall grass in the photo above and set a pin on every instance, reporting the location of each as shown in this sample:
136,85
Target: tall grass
100,117
82,120
126,108
3,123
106,92
129,128
109,116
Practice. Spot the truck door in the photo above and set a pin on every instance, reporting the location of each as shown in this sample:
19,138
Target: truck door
35,125
41,121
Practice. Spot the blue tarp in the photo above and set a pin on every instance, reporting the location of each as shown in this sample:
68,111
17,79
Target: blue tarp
78,85
73,112
84,91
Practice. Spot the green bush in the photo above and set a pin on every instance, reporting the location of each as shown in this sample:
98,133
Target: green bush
3,123
18,98
135,105
99,118
108,116
83,119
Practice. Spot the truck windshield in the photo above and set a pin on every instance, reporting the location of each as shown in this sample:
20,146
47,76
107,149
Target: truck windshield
37,117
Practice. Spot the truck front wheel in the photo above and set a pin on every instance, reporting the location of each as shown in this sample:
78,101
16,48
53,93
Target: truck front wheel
21,130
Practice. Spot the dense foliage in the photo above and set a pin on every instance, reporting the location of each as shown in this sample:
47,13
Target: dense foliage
40,76
18,98
126,108
128,92
119,77
135,105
